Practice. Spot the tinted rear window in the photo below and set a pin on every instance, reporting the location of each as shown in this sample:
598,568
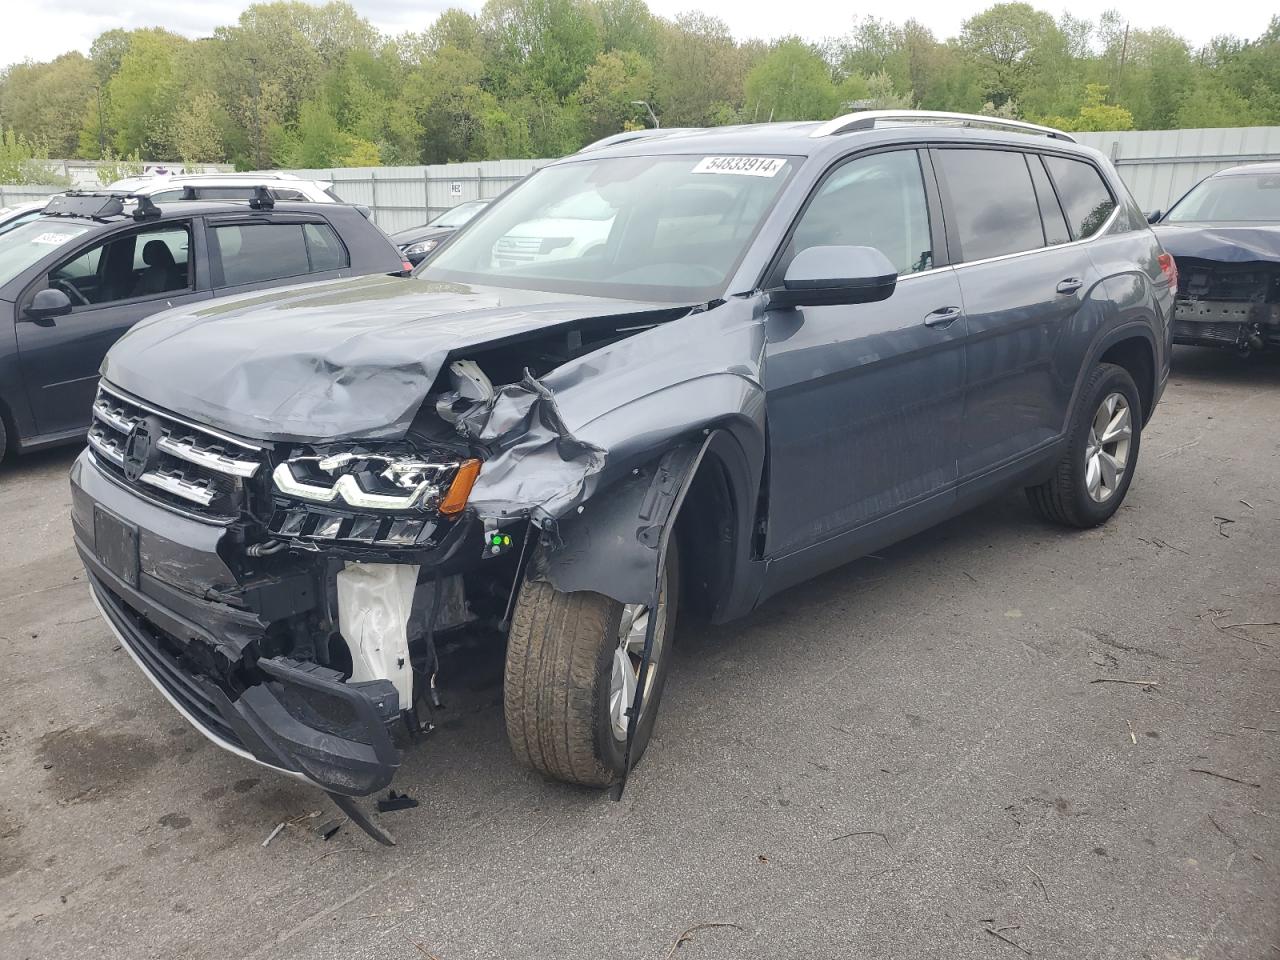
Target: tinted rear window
991,202
254,252
325,249
1083,193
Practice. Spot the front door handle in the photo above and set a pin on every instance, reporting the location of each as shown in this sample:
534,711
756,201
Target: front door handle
1070,285
942,317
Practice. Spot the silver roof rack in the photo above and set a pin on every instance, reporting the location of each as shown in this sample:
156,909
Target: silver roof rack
867,120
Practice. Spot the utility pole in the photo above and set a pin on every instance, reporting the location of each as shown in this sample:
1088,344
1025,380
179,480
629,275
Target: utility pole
102,149
257,114
1124,51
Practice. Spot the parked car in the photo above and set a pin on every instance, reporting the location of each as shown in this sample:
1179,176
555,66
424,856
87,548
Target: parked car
1225,235
92,265
416,243
567,230
226,186
19,214
796,344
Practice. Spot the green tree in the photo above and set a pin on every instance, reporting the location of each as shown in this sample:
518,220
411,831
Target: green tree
142,96
1004,41
46,101
608,93
700,72
197,130
792,82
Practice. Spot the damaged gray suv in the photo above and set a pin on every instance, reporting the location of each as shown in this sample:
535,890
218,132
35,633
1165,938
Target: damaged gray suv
763,352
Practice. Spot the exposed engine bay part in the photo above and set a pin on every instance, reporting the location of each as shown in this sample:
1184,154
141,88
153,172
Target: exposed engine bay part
374,604
1228,287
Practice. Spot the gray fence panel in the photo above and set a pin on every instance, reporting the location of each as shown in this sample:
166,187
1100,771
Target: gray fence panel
1159,166
11,196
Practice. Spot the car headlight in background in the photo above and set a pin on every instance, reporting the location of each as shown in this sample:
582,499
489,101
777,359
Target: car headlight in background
421,248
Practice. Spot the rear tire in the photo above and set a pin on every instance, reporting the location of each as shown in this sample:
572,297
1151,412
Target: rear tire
560,673
4,439
1090,481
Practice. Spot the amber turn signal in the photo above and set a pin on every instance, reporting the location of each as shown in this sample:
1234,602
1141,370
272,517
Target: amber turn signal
460,489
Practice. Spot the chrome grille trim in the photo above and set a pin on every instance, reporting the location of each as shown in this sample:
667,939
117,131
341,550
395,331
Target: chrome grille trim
209,459
199,428
179,487
105,447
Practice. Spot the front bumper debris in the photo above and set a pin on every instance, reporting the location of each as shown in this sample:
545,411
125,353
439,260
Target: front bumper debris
296,717
1243,325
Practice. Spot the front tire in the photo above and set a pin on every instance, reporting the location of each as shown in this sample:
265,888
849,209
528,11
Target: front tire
1091,480
565,686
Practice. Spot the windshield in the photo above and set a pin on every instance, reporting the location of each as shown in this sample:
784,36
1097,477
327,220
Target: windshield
667,228
25,244
459,214
1236,197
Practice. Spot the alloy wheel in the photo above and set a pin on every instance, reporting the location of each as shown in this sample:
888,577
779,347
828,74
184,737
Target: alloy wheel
1106,455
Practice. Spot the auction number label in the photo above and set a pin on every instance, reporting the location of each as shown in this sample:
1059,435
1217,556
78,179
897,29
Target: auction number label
53,239
742,166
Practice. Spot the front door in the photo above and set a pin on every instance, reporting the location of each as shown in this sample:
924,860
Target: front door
864,400
112,284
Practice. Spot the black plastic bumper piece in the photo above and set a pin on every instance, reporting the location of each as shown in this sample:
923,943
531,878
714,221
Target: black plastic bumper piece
299,719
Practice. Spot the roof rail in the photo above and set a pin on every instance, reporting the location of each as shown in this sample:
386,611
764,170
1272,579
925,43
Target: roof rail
626,136
867,119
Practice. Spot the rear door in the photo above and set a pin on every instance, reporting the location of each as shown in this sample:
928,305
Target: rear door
1024,285
257,251
112,283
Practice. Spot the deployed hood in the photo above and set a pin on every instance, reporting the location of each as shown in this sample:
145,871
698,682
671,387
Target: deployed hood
327,361
1224,242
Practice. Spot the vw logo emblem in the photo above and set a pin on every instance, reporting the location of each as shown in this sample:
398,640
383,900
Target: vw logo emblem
140,450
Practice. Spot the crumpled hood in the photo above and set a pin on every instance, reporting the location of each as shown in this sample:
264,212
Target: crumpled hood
326,361
1226,243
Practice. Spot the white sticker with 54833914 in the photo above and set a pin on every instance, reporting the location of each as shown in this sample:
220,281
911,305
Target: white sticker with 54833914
53,239
742,166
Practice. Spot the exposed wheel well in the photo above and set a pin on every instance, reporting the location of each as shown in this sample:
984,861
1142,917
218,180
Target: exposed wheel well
706,527
1134,354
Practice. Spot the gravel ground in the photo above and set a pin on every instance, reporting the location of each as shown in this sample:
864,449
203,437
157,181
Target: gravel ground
909,757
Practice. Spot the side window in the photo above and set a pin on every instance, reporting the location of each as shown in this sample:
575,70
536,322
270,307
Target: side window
1055,224
874,201
991,202
280,193
253,252
1085,196
324,248
143,263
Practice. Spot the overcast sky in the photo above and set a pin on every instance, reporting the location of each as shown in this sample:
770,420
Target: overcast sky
45,28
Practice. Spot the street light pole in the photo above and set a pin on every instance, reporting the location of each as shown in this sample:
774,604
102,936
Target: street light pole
652,116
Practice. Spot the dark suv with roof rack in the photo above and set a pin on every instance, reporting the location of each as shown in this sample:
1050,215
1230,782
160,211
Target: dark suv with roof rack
784,347
76,278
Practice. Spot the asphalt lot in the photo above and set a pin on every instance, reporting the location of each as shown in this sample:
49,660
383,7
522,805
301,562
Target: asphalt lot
906,758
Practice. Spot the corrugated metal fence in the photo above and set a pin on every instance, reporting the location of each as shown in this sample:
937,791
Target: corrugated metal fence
1158,165
403,197
1161,165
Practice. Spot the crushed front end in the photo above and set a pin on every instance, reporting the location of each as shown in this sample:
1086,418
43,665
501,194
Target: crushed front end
1225,304
286,597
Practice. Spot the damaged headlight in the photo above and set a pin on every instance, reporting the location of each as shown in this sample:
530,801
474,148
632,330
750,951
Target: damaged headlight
368,496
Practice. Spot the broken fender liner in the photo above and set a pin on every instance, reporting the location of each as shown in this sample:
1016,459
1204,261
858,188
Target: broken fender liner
671,483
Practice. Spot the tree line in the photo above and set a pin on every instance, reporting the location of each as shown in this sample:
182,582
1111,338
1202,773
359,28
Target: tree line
296,85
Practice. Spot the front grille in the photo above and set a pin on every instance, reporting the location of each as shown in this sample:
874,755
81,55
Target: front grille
151,645
192,468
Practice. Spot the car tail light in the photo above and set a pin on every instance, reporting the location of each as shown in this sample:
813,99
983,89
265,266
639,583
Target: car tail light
1169,268
408,267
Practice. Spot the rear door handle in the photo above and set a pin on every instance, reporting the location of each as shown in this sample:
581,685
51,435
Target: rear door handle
942,317
1070,285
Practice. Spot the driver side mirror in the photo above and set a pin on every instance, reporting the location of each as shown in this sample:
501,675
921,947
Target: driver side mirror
1153,216
826,276
47,304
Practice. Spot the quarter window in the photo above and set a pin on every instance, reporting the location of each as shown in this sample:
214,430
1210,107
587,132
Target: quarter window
872,201
991,203
1084,195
